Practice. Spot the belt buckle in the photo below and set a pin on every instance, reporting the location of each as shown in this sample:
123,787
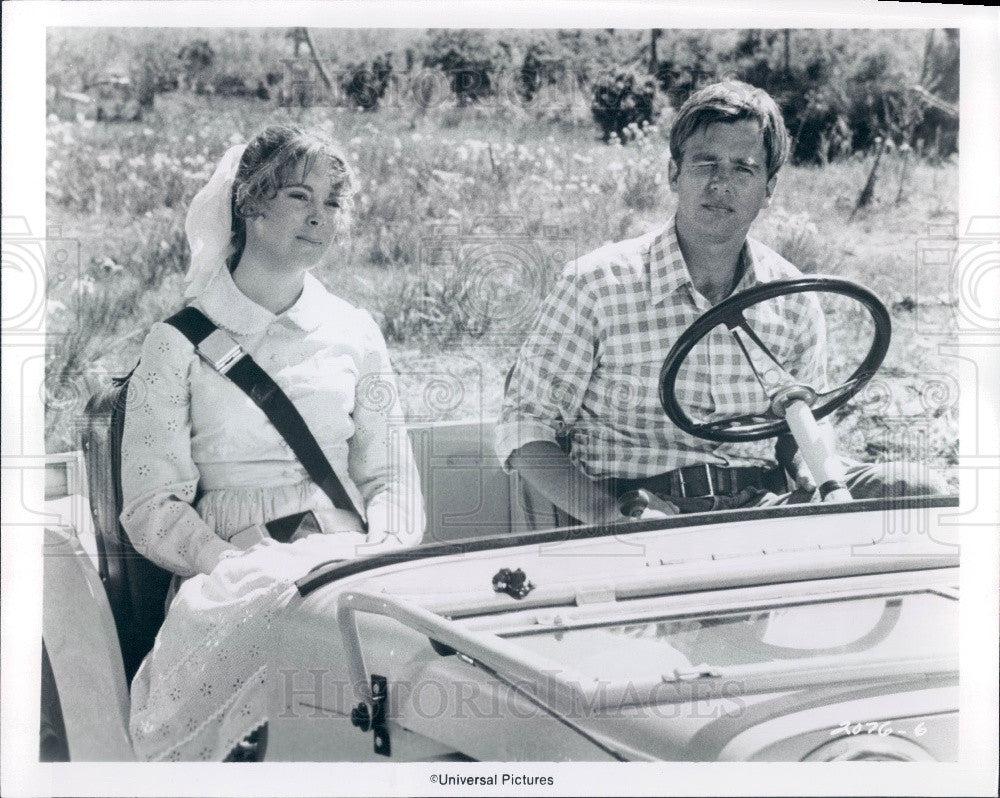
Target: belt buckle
708,477
220,351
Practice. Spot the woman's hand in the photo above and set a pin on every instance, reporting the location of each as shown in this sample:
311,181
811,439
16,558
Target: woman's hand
251,536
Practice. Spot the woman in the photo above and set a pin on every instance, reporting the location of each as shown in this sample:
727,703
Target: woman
203,470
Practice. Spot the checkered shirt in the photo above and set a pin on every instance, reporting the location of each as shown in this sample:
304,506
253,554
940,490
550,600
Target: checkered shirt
590,366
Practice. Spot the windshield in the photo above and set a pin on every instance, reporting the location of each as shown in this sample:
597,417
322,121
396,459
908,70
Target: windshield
885,628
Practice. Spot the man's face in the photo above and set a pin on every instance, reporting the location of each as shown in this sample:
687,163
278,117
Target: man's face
721,182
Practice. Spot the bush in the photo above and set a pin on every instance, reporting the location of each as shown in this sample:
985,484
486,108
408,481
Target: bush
541,68
467,59
621,101
838,90
365,84
197,59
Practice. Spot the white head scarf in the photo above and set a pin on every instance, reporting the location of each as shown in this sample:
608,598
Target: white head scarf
209,224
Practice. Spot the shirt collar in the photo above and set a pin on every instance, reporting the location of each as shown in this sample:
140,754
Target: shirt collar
234,311
668,271
310,309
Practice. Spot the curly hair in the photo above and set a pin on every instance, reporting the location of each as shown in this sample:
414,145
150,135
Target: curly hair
274,158
731,101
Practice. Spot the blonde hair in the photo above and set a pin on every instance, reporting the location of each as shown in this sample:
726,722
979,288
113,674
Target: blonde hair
269,162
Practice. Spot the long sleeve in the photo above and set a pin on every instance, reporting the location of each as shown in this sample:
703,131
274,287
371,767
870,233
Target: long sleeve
553,369
159,476
381,458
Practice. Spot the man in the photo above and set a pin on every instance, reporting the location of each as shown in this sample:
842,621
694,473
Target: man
582,422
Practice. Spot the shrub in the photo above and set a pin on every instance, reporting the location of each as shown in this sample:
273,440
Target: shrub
541,68
197,59
622,100
365,84
467,59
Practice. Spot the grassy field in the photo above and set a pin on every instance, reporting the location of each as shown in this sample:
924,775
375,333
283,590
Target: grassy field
462,220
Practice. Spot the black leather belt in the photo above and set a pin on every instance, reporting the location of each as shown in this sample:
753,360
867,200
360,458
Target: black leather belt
709,480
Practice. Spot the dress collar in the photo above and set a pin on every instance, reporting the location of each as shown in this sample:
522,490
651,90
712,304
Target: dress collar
234,311
668,271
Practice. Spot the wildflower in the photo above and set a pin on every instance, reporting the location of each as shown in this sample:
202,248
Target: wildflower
53,307
108,266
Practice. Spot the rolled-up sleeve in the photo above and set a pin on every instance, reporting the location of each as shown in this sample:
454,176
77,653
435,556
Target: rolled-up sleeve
808,354
381,460
553,369
159,476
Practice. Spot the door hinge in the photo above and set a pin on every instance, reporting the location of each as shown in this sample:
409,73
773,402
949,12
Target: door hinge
372,717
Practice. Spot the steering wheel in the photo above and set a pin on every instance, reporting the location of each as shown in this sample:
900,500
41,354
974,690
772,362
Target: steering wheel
773,421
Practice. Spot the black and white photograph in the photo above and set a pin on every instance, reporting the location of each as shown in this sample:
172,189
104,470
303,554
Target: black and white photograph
500,398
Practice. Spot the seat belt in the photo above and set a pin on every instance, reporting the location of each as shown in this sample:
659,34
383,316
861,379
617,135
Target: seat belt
227,357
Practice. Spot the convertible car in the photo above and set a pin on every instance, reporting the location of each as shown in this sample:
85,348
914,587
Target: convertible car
816,632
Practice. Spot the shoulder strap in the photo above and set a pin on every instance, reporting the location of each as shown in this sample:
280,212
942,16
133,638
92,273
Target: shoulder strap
229,359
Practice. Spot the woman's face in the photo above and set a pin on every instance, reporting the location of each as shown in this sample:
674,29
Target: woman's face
297,226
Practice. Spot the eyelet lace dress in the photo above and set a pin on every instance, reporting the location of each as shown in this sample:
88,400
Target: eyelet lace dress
202,465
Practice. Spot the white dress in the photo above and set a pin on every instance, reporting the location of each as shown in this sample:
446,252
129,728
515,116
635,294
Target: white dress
201,464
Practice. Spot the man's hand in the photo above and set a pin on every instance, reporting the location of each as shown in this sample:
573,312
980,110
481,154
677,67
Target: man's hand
659,508
643,505
799,472
789,457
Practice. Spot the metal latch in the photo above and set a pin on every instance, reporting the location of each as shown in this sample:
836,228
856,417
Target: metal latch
220,351
373,718
514,583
